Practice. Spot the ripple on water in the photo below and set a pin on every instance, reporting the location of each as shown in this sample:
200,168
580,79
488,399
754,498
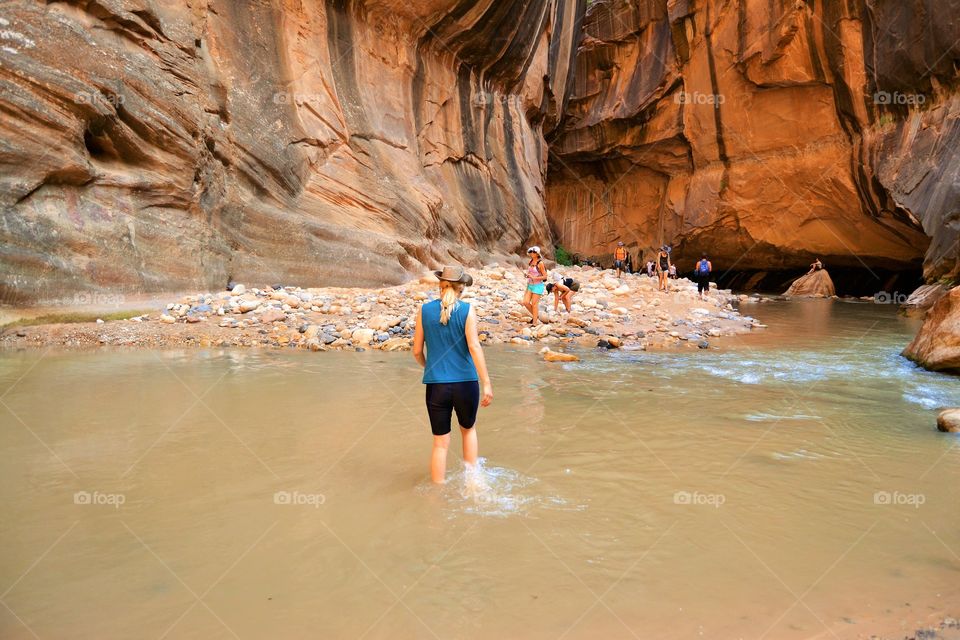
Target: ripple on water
495,492
773,417
798,454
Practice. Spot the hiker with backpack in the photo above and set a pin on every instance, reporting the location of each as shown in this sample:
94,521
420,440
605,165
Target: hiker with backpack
702,274
562,290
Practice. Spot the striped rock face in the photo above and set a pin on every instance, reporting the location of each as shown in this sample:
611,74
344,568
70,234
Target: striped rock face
172,145
167,146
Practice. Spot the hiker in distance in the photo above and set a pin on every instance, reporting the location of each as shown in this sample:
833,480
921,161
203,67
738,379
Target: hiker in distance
454,369
620,259
536,274
663,268
702,272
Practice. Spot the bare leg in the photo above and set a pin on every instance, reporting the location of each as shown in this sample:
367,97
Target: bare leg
566,300
438,458
535,307
469,445
525,303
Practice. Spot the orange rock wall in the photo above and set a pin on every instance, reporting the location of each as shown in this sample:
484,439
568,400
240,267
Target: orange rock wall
755,130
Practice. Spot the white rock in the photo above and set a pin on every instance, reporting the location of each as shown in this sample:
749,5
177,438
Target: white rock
383,323
166,319
362,336
238,290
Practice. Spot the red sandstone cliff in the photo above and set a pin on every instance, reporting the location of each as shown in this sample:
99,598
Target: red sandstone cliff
764,132
166,145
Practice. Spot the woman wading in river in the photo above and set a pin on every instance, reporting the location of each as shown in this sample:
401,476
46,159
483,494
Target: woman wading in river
453,368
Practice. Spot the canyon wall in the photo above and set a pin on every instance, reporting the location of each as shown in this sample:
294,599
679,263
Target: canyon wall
155,145
152,145
765,132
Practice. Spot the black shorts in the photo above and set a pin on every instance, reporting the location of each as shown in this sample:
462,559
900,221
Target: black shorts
703,283
443,398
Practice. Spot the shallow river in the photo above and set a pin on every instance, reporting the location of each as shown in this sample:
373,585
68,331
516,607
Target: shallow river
791,485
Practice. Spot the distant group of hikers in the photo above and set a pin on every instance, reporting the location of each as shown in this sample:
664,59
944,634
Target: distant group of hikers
447,345
662,267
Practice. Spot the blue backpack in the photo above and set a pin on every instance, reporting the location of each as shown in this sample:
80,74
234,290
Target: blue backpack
703,267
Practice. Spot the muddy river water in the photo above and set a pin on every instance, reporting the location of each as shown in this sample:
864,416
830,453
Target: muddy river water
790,484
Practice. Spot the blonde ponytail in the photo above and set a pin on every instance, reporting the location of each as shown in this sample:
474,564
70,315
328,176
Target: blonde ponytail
450,295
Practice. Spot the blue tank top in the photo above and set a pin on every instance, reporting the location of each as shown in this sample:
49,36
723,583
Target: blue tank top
448,358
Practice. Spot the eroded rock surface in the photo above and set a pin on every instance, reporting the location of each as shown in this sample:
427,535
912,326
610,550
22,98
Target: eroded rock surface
764,133
937,344
158,146
816,284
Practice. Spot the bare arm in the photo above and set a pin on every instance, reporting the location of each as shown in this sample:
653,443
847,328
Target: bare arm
476,352
418,341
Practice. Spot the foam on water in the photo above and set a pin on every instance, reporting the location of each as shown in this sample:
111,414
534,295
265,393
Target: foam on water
492,491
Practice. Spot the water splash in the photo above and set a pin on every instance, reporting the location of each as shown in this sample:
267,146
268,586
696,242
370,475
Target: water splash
491,491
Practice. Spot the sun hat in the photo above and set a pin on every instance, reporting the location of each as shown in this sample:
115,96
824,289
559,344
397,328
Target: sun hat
620,244
454,274
534,249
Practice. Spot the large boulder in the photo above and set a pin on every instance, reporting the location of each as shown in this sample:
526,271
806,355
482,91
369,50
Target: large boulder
924,297
937,344
817,284
948,420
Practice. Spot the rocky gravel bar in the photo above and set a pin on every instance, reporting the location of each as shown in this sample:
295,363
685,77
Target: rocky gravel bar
627,313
